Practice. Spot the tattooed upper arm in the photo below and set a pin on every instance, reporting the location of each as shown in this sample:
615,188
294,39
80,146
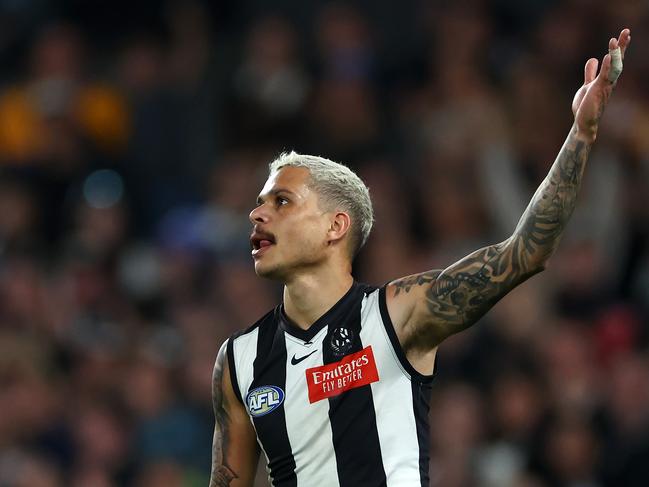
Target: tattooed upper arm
449,301
433,305
234,447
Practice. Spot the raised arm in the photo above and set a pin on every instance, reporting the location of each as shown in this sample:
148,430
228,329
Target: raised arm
426,308
234,449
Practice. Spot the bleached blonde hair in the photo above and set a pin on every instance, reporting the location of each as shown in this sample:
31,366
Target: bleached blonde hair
339,188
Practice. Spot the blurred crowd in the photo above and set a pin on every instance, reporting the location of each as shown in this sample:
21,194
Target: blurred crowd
134,137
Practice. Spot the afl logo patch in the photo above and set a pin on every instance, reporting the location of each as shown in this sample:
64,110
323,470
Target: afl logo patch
341,341
264,400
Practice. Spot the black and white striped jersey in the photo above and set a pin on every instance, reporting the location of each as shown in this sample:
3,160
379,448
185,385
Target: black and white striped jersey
337,404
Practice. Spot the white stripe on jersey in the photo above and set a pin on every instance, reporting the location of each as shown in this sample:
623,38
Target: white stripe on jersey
242,347
245,346
245,349
401,466
308,426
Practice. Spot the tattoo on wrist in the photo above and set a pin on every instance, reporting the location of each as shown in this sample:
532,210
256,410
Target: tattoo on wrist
222,476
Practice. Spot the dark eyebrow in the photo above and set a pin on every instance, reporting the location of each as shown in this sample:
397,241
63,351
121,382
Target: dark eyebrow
274,192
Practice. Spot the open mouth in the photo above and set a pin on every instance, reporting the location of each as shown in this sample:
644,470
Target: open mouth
260,242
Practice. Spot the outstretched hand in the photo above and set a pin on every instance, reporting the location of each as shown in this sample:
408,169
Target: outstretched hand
591,99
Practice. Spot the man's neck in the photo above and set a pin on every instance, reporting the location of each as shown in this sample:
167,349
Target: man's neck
307,297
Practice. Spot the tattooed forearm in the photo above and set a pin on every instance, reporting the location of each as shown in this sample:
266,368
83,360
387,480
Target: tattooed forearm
462,293
222,475
539,229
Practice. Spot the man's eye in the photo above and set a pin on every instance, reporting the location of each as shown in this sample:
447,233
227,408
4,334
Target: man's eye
281,201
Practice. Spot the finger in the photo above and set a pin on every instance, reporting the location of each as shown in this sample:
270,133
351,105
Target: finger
605,70
615,54
590,70
624,40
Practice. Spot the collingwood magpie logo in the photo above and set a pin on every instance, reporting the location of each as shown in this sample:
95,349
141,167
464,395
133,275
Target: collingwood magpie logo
341,341
264,400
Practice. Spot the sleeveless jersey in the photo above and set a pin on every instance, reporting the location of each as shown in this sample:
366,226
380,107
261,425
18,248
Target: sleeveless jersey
338,404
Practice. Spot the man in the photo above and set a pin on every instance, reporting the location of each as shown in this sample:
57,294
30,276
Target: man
334,383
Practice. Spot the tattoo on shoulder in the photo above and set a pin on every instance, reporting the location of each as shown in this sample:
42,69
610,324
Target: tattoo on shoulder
405,284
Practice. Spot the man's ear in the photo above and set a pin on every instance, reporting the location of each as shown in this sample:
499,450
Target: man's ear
339,226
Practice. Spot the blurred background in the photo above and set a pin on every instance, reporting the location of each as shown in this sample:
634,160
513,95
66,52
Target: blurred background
134,138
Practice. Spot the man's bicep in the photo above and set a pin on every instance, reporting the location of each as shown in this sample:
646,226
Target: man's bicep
405,301
234,449
442,303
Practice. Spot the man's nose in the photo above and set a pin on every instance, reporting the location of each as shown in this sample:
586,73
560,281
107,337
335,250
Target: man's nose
258,214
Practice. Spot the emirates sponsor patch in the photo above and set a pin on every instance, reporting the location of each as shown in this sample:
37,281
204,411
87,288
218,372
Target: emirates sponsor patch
352,371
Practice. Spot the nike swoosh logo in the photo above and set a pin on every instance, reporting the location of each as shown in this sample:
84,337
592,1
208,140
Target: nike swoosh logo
295,361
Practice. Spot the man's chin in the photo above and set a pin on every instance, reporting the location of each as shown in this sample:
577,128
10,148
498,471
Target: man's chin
268,272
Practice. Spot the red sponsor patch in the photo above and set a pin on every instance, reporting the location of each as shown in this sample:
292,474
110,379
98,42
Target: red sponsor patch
355,370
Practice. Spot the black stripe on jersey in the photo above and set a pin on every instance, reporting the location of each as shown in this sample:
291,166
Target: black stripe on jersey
396,345
269,369
353,421
421,393
233,372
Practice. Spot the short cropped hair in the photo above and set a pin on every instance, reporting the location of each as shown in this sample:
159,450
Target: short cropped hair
339,188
